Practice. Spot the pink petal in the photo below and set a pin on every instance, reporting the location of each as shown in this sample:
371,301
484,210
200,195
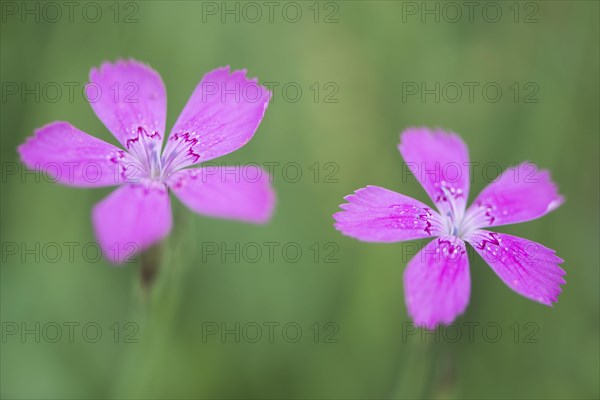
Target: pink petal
375,214
520,194
130,99
437,284
241,193
73,157
440,162
220,117
131,219
527,267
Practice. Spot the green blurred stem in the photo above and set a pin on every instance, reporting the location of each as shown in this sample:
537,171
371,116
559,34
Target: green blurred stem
149,268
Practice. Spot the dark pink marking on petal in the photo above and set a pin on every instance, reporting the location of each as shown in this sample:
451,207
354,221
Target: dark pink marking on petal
74,158
375,214
437,283
527,267
520,194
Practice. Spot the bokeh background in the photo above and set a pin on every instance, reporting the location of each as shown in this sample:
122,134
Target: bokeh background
361,55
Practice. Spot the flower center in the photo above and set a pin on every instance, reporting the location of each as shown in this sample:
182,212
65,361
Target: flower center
461,225
455,226
456,221
145,147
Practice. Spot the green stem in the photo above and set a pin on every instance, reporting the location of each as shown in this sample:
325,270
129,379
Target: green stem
149,268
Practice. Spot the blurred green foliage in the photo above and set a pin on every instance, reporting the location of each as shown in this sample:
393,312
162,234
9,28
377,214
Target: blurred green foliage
370,54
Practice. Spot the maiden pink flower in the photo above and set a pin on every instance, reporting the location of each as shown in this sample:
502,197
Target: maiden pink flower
437,282
129,97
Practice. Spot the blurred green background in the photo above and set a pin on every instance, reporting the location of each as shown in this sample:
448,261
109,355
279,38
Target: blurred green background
367,350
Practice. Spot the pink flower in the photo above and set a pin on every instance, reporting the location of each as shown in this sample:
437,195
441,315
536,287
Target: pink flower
129,97
437,283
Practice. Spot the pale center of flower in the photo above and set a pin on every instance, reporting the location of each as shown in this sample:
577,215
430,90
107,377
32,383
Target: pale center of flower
457,222
179,152
459,226
145,147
